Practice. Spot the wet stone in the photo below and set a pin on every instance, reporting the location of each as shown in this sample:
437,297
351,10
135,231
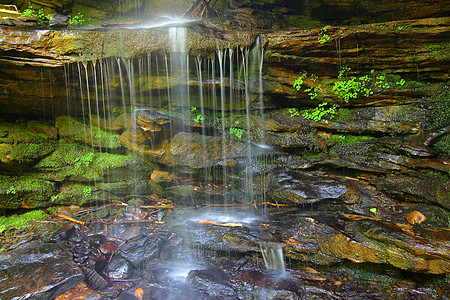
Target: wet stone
142,249
119,268
302,187
235,239
214,282
37,271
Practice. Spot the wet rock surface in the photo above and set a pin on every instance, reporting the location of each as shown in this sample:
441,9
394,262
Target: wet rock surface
37,270
357,201
215,253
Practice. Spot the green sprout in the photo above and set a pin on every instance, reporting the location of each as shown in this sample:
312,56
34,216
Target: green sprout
323,37
30,12
293,112
238,132
299,82
76,20
85,160
11,190
87,191
198,119
54,198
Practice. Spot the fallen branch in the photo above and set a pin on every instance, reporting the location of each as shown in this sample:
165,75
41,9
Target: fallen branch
69,219
220,224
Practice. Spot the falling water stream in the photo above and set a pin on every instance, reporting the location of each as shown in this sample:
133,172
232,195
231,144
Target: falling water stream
185,95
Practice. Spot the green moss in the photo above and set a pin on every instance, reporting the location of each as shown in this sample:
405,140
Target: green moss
16,133
10,224
439,115
300,21
348,139
76,193
71,161
74,130
19,145
25,191
443,145
280,56
27,153
439,49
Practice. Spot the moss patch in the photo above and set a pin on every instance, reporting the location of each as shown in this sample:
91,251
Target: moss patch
74,130
348,139
19,145
71,161
10,224
25,192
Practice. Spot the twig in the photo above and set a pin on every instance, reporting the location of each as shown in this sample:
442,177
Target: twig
69,219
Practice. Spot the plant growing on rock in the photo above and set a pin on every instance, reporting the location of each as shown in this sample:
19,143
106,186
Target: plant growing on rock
198,118
87,191
293,112
323,37
30,12
76,20
345,88
11,190
85,160
238,132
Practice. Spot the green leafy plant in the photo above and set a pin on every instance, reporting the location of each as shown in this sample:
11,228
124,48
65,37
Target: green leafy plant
313,92
76,20
400,28
11,190
352,87
85,160
299,82
373,210
54,198
198,119
319,112
345,88
30,12
323,37
87,191
401,82
238,132
293,112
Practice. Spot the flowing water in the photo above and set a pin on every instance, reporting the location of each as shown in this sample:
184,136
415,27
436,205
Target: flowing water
215,98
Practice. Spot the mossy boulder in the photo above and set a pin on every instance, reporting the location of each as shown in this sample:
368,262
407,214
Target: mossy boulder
77,131
25,191
75,162
20,147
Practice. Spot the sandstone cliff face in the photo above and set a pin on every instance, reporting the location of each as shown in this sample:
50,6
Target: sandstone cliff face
377,157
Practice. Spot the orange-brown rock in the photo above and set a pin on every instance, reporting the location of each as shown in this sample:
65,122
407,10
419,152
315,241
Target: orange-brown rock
416,217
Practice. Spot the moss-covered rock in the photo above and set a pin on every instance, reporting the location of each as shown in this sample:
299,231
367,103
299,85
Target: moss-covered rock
74,130
75,162
25,191
20,147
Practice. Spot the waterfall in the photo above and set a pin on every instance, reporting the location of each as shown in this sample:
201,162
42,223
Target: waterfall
215,102
273,256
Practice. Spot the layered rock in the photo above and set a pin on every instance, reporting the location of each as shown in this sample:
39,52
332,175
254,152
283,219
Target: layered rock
70,163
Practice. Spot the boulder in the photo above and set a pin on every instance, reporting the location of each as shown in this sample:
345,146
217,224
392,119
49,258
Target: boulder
26,191
21,147
37,271
305,187
71,129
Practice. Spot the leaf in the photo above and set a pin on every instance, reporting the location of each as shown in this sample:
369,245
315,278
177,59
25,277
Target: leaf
374,210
